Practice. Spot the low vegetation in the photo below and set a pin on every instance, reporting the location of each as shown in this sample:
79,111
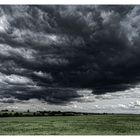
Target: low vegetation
89,124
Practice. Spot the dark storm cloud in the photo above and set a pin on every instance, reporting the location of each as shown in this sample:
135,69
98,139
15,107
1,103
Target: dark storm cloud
50,95
67,46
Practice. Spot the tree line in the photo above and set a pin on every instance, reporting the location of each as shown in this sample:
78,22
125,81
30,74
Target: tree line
7,113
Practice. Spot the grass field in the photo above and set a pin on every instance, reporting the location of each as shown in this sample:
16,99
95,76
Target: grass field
71,125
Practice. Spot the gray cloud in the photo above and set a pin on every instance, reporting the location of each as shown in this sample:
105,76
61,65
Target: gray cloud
71,46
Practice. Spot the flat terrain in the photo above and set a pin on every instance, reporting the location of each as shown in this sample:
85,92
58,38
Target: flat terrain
71,125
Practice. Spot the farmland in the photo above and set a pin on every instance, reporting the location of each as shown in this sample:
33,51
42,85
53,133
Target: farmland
105,124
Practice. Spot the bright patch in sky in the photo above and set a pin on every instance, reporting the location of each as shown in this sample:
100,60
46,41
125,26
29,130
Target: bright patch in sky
3,24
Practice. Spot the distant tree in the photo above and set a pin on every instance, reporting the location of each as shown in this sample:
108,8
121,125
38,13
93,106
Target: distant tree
4,110
59,111
10,114
20,114
50,113
28,111
4,115
63,114
104,113
16,114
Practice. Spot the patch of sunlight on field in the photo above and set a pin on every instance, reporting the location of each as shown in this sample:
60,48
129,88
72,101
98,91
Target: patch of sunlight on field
71,125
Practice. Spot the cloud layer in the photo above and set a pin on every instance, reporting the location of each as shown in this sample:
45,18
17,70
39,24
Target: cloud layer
112,102
48,51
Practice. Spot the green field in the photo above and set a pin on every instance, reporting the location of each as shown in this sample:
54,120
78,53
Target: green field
71,125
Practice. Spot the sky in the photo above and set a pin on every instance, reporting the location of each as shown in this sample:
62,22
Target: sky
70,58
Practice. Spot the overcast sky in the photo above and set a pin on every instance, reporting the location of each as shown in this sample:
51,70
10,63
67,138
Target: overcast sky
77,58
